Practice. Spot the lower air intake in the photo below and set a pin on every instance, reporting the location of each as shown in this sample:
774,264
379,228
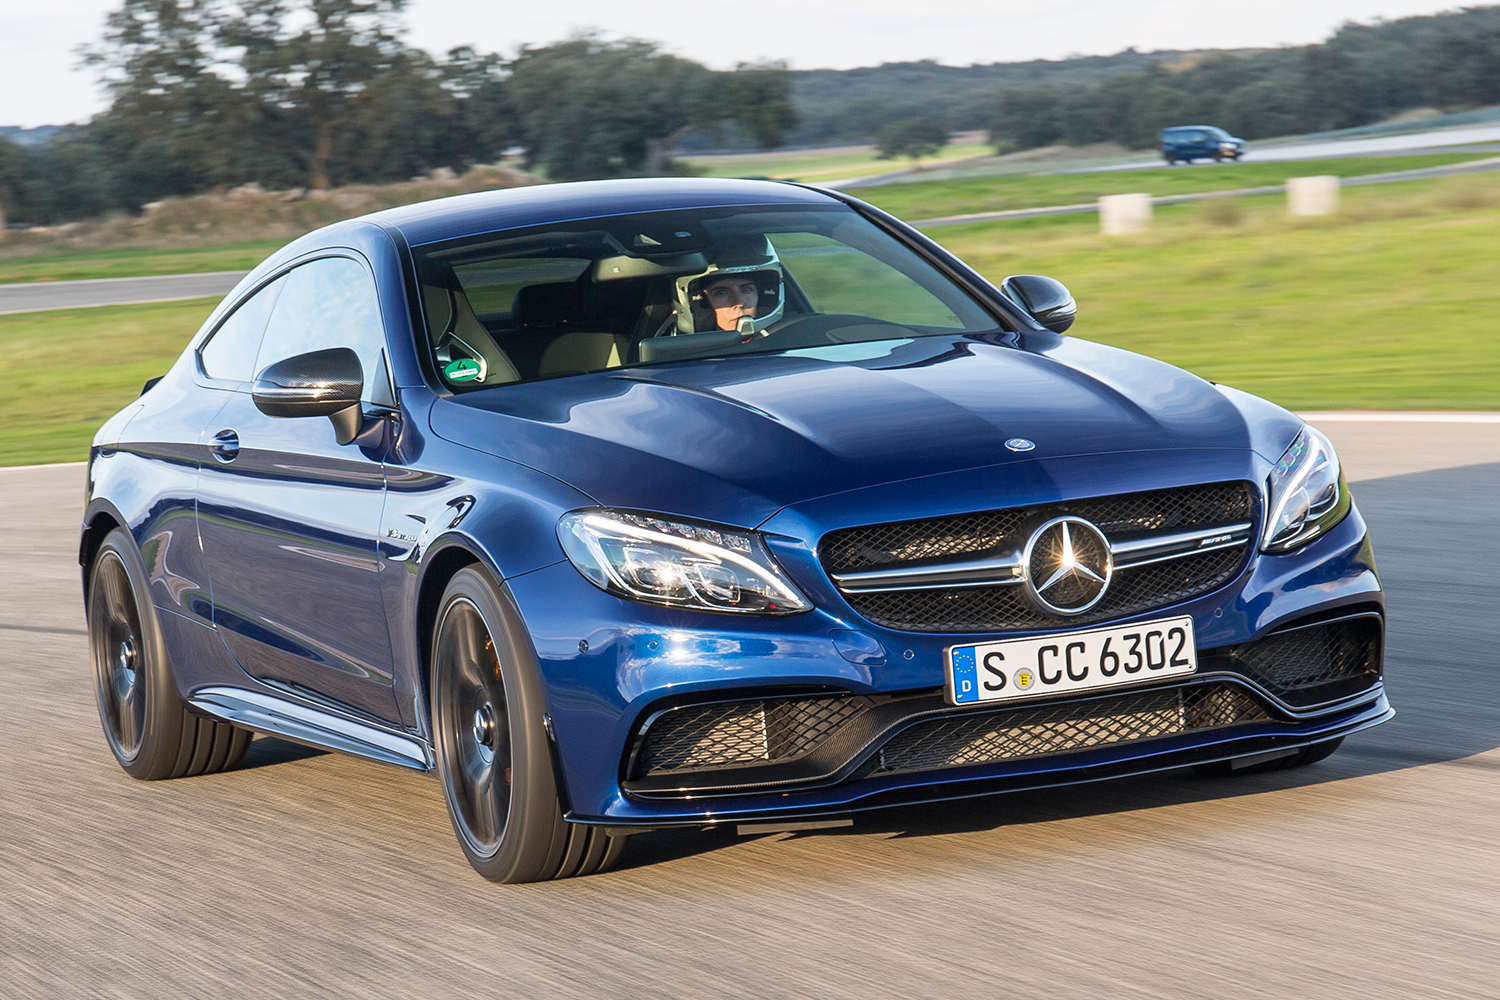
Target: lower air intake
1033,731
729,734
1310,664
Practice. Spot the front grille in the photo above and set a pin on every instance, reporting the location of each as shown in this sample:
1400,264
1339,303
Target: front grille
729,734
1033,731
1001,608
1312,664
903,543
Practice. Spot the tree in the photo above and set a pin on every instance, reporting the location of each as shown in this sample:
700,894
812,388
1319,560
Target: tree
1463,71
760,102
1027,118
913,138
313,88
175,122
587,107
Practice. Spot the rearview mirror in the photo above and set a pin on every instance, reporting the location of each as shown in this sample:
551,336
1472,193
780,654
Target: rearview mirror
1046,300
318,384
665,266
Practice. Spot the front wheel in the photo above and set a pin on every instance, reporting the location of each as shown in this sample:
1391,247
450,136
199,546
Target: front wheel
148,729
493,752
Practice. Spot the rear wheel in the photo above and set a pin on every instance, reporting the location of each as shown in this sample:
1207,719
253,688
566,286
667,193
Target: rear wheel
494,754
148,729
1307,755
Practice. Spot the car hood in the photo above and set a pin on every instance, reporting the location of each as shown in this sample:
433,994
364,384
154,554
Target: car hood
734,440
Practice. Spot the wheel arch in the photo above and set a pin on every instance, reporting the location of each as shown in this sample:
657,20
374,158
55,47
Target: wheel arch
101,519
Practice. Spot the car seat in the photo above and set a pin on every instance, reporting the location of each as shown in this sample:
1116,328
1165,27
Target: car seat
558,309
458,333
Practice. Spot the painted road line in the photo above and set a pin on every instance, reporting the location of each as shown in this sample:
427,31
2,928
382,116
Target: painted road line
1414,417
47,465
36,296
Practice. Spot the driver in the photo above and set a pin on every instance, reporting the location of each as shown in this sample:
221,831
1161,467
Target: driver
740,291
731,297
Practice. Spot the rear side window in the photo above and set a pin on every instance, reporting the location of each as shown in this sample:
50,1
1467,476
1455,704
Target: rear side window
330,302
230,352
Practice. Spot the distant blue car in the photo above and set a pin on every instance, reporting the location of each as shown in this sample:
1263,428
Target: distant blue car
636,504
1187,143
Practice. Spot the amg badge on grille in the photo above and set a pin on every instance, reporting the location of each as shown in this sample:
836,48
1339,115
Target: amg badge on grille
1067,566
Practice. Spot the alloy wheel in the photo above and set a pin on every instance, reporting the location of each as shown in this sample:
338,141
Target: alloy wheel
473,729
118,655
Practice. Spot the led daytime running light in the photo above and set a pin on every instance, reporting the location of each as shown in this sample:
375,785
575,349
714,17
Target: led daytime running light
682,565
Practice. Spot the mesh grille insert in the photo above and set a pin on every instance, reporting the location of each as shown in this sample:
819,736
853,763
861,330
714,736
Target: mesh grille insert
1006,608
1306,666
726,734
1048,729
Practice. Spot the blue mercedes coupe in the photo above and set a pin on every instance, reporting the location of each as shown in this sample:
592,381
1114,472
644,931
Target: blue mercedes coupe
636,504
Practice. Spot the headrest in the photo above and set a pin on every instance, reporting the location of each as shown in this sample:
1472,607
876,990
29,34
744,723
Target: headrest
548,305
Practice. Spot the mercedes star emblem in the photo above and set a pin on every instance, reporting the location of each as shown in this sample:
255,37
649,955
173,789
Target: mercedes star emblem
1067,566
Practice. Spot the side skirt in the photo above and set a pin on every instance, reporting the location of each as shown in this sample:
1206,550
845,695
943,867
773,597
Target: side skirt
310,726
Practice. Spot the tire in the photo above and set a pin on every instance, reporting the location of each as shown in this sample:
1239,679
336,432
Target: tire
147,727
1310,754
494,756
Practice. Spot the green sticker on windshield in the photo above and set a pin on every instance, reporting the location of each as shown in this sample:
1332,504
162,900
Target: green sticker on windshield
463,370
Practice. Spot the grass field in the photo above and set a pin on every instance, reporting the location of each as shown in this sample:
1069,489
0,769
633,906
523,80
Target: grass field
1392,304
934,199
821,164
930,199
63,264
63,372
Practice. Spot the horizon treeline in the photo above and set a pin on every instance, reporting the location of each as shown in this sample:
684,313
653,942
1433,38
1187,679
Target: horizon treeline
209,94
321,93
1362,74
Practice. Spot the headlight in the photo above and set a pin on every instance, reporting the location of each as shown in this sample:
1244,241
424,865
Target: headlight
1305,494
681,565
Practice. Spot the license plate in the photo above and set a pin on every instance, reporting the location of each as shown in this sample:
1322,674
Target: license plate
1070,662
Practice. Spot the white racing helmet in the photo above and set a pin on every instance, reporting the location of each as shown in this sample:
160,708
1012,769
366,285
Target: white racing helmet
752,256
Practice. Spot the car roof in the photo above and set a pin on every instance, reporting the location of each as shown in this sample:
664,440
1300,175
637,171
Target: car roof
538,204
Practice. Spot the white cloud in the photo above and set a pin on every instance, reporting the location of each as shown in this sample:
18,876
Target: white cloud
41,84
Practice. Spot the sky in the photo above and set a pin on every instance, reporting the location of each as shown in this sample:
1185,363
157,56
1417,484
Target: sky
41,83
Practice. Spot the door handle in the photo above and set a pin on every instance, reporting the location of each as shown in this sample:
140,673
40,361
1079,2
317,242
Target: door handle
226,446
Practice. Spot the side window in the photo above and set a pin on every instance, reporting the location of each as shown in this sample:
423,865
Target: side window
326,303
230,352
837,278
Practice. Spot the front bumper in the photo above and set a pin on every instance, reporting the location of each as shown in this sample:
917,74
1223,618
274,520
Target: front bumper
610,665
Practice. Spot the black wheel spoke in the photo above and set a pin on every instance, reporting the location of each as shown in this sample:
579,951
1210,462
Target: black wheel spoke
119,656
473,735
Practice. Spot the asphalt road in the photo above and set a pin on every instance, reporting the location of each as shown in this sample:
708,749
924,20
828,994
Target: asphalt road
1373,874
37,295
1383,145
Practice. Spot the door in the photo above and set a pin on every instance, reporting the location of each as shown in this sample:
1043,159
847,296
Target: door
288,516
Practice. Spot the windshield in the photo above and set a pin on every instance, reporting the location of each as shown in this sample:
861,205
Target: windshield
662,287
